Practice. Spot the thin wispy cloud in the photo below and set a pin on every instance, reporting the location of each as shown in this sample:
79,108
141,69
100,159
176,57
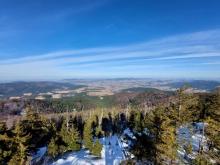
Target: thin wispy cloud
193,43
157,54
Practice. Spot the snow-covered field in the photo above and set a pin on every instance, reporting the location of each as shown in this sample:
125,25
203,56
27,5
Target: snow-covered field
112,154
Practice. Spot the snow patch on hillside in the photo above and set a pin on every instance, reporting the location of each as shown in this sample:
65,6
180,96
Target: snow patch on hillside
38,156
191,134
112,154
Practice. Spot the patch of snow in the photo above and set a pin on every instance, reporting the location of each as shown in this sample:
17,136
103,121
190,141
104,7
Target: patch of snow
191,134
129,133
112,154
200,125
212,161
197,140
181,152
125,145
146,131
39,154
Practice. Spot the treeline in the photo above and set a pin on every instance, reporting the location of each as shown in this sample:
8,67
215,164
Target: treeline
70,132
155,131
15,107
150,99
19,143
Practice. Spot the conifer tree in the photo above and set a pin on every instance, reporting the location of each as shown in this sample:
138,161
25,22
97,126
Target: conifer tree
138,122
163,131
53,149
188,148
167,143
73,141
54,145
187,109
213,106
87,135
213,134
37,127
20,141
97,148
70,137
131,120
5,143
98,132
211,116
201,160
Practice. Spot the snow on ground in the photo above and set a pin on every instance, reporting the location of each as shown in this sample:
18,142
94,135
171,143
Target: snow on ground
39,154
197,140
191,134
112,154
129,133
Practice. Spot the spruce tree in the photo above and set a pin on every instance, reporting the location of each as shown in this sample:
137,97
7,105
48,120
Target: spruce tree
37,126
98,132
20,141
6,149
97,148
70,137
55,144
213,134
163,132
167,142
87,135
201,160
138,121
131,120
53,149
73,141
187,109
211,108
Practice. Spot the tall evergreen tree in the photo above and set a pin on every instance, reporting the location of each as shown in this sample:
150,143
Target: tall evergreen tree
5,144
187,109
87,135
210,114
73,141
138,121
20,140
97,148
37,127
131,120
163,132
70,137
53,148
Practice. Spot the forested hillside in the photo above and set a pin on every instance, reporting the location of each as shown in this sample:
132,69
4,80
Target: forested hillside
147,136
19,88
82,101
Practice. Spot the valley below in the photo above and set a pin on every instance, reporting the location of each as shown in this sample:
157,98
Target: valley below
110,122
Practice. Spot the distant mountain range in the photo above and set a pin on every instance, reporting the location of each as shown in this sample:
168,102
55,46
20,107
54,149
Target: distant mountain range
19,88
112,85
198,84
140,89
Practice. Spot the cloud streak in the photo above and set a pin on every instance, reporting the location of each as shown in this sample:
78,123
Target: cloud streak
157,54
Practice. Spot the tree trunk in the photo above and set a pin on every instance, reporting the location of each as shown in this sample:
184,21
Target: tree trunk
200,143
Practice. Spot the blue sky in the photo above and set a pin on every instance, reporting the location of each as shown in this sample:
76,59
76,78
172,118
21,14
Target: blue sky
51,39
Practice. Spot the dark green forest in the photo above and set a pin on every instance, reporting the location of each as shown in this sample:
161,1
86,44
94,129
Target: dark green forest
72,131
